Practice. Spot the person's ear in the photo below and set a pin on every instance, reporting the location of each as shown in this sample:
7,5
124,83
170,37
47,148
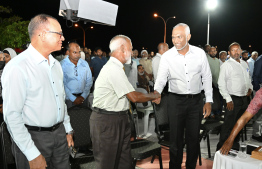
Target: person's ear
188,37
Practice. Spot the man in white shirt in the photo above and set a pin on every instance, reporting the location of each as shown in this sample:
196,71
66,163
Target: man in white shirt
234,85
162,48
109,123
251,62
187,71
34,100
222,57
147,63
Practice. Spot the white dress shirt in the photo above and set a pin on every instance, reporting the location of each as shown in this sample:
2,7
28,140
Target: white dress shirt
251,63
33,94
234,79
155,64
111,87
185,73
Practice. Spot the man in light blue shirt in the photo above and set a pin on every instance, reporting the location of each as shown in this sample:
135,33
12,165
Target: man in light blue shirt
77,77
33,100
251,62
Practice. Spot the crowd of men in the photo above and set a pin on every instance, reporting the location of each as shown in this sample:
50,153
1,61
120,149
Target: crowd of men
37,90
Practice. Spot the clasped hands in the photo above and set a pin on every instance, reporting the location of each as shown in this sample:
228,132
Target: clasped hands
79,100
158,97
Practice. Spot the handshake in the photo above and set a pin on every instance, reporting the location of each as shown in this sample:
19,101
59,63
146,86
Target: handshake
157,97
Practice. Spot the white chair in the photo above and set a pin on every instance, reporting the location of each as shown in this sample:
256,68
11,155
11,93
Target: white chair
146,110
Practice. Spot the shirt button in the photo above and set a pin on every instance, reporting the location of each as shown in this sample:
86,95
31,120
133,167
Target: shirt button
186,73
187,81
185,64
53,82
59,108
56,95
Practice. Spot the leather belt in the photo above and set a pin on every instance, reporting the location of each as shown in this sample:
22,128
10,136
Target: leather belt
35,128
110,112
186,95
77,94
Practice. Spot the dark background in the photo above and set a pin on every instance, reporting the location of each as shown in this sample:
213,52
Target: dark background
232,20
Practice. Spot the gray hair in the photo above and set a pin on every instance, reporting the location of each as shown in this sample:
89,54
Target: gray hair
39,21
220,53
187,29
117,41
144,51
253,53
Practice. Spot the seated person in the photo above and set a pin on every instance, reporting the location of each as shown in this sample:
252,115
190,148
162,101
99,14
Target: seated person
142,78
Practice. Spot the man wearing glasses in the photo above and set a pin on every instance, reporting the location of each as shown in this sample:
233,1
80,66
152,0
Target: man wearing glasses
77,76
33,94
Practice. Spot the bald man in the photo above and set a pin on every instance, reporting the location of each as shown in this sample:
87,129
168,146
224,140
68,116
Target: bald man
162,48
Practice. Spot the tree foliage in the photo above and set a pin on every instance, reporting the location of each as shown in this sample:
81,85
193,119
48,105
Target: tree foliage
13,31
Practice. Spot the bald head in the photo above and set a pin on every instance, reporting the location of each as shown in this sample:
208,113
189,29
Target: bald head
117,41
37,23
162,48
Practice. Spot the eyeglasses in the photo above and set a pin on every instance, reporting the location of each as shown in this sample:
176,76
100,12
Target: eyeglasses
76,74
59,33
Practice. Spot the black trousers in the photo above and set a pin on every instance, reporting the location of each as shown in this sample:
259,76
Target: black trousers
110,136
52,145
184,113
231,117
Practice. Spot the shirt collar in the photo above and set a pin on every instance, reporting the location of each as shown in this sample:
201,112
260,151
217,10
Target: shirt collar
116,61
189,51
38,57
80,61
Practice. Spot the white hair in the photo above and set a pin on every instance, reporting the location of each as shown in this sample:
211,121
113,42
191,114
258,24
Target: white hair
187,29
117,41
253,53
220,53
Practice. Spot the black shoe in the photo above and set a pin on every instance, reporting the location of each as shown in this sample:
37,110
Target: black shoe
259,138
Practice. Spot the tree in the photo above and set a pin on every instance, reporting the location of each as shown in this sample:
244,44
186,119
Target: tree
13,31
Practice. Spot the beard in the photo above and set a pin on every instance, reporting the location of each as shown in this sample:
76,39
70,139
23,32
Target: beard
245,59
213,56
141,74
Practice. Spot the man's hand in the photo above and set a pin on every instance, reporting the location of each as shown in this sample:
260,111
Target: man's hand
158,97
207,109
70,141
38,163
1,108
230,106
79,100
226,146
249,92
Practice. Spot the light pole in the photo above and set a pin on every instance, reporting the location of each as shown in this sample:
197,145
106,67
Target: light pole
210,4
165,21
84,33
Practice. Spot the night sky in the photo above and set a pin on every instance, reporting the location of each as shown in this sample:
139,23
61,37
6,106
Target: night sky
232,20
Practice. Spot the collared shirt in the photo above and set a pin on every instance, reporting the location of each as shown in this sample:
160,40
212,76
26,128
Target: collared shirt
97,64
147,64
33,93
234,79
185,73
136,60
77,79
251,63
220,61
215,68
111,87
155,64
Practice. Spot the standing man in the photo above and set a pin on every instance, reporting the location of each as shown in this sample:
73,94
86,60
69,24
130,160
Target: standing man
244,55
35,110
234,85
162,48
215,68
97,62
222,57
109,123
186,68
251,62
207,48
135,57
77,77
146,63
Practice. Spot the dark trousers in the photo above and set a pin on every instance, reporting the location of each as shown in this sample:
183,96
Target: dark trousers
231,117
110,136
52,145
184,113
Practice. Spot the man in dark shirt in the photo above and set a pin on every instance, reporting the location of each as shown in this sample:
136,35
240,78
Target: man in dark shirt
97,62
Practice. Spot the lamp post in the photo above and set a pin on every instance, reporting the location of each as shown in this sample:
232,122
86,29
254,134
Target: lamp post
210,4
84,33
165,21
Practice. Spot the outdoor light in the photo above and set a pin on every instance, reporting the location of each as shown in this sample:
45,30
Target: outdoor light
211,4
76,25
84,32
165,21
91,27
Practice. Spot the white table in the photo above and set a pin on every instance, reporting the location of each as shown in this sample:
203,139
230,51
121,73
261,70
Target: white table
229,162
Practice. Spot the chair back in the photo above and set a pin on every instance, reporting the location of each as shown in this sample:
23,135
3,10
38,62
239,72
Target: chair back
79,119
141,105
6,144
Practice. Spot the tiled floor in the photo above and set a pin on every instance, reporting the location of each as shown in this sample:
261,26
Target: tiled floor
206,162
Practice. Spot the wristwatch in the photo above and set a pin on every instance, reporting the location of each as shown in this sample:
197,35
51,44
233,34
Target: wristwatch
70,132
